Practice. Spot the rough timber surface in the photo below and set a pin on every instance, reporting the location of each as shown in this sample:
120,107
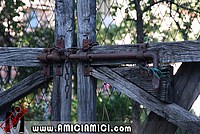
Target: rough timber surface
187,89
11,56
86,85
171,112
61,97
22,88
168,52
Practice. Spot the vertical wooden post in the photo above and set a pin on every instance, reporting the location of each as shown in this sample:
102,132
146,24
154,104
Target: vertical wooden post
86,84
61,97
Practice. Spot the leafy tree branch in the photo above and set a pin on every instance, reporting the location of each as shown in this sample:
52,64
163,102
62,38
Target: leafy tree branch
152,3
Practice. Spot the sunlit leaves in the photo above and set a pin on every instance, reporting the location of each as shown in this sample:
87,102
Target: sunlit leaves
10,27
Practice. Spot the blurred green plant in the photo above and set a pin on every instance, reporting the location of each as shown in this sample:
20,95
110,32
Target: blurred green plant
112,106
42,37
10,26
115,107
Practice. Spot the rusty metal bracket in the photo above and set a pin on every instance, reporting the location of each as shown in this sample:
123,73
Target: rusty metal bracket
53,55
46,66
59,67
60,43
143,55
87,45
59,55
87,69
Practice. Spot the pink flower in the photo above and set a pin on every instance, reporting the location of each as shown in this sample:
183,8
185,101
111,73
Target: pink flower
106,86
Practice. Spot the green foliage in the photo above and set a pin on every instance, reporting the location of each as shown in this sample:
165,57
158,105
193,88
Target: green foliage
74,111
113,32
107,35
114,107
111,107
41,37
9,26
38,106
178,16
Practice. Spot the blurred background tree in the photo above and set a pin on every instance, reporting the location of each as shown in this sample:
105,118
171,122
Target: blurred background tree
130,21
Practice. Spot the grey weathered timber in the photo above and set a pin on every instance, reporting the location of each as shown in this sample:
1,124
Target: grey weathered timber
3,112
11,56
168,52
22,88
61,97
187,89
172,112
134,76
135,117
86,85
143,79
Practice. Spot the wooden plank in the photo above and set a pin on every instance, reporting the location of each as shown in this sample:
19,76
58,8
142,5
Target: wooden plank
3,113
22,89
168,52
183,51
61,97
143,80
10,56
86,85
172,112
187,84
187,89
134,76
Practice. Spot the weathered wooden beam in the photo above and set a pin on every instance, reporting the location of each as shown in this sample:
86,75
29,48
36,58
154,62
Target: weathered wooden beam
86,85
186,89
22,88
11,56
168,52
133,75
143,79
172,112
62,87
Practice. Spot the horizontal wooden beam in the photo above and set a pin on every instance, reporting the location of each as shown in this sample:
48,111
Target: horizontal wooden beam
168,52
22,88
172,112
11,56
